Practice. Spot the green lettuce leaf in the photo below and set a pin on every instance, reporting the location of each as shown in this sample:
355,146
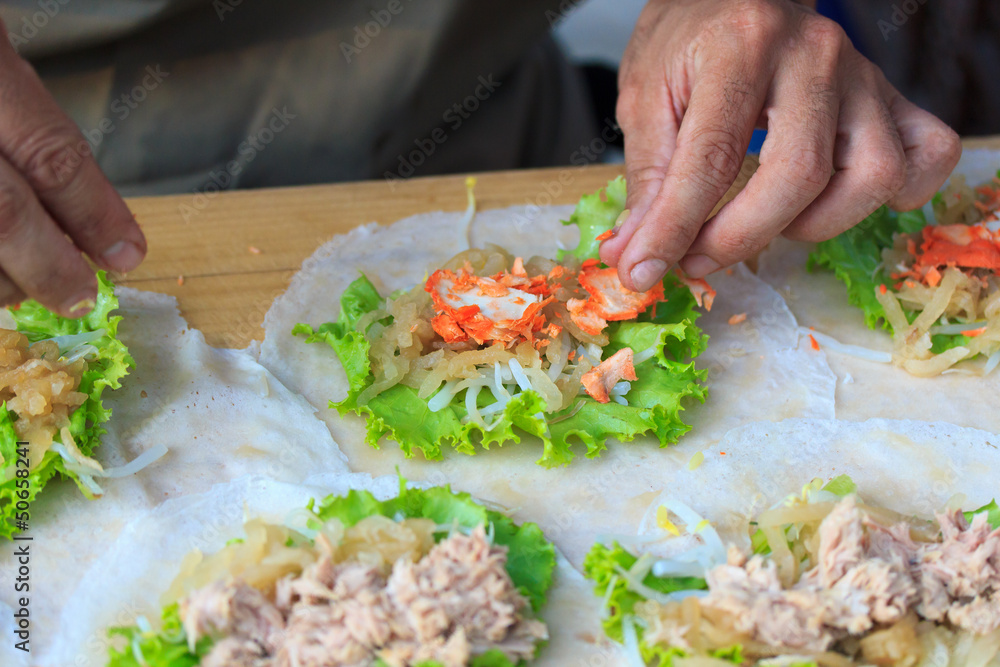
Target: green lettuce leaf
531,562
656,400
855,257
595,214
992,514
165,648
856,254
841,485
105,369
603,566
530,557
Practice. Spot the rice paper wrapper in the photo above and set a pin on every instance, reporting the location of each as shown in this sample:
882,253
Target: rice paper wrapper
912,467
220,414
758,370
129,579
868,389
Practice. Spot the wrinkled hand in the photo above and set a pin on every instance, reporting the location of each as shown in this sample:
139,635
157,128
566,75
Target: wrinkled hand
698,76
54,200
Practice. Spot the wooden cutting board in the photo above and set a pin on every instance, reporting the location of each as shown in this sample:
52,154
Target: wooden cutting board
226,256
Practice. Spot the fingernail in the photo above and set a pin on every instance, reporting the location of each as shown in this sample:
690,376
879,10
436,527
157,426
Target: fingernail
699,266
620,220
646,273
123,256
81,304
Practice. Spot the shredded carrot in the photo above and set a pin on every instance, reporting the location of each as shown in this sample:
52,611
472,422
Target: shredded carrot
722,453
180,280
604,236
972,333
254,250
882,288
812,343
739,318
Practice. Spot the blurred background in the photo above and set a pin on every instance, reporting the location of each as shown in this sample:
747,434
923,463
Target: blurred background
940,55
204,95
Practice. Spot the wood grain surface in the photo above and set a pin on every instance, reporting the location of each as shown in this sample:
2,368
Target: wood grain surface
226,256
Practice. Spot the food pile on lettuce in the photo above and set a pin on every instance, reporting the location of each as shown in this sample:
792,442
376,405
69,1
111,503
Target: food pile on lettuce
831,582
53,371
491,346
429,578
935,286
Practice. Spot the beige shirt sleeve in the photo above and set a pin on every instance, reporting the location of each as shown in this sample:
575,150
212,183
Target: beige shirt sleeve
191,97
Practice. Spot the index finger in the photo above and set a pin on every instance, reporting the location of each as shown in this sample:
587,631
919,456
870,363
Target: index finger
49,151
713,137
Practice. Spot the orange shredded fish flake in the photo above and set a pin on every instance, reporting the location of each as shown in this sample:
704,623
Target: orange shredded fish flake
739,318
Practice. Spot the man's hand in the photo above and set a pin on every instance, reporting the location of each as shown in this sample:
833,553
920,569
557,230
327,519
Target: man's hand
54,200
698,76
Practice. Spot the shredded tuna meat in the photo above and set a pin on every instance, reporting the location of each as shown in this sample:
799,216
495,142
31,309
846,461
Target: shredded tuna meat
868,575
39,387
453,604
871,588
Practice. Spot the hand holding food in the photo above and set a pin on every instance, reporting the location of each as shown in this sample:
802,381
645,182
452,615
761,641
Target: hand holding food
55,204
699,76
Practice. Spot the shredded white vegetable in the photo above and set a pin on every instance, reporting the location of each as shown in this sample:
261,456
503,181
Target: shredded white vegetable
991,363
648,353
69,341
440,400
470,209
80,352
621,388
631,640
154,453
956,328
471,396
519,376
831,343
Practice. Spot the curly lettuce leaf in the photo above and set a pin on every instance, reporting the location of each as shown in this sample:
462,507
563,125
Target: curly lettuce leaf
164,648
531,562
530,557
655,400
992,514
855,256
105,369
595,214
841,485
603,565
